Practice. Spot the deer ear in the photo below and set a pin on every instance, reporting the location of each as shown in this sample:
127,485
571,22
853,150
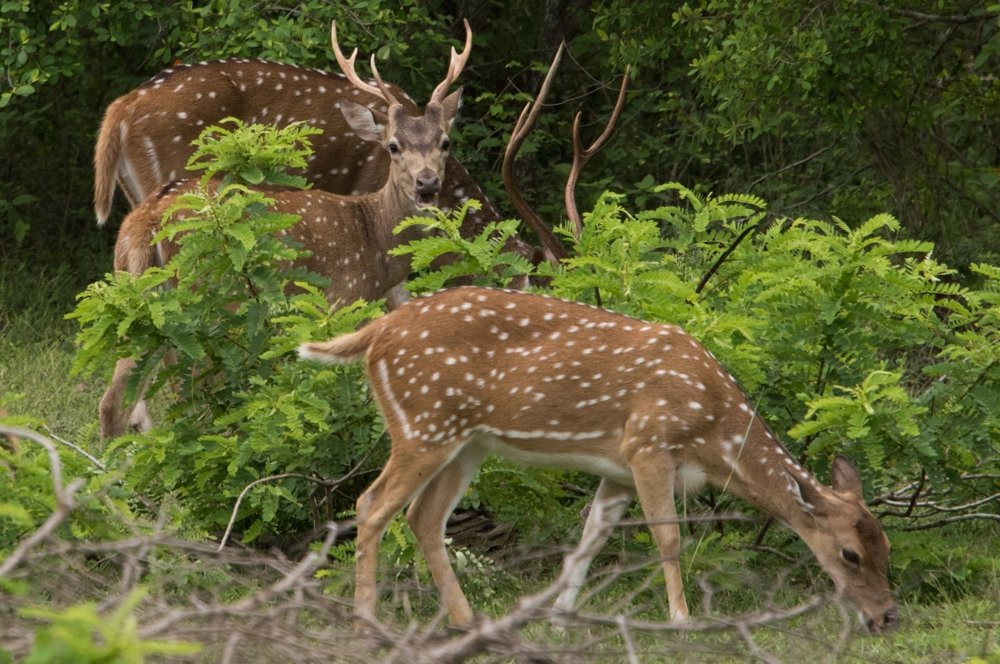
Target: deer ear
368,123
845,478
450,106
802,493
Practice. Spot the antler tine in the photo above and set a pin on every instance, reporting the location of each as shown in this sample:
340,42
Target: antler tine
347,67
383,88
554,250
581,156
455,66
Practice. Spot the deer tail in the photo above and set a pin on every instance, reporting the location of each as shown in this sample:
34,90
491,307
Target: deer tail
344,349
107,154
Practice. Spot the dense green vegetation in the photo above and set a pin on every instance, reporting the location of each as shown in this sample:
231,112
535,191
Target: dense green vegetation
853,291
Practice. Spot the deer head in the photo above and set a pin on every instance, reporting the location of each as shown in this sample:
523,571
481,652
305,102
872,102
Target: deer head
847,540
469,372
417,146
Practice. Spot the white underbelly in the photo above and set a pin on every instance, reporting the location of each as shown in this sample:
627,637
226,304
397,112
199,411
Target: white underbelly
553,458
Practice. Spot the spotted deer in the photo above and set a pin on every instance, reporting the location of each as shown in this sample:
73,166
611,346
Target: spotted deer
469,372
349,237
145,137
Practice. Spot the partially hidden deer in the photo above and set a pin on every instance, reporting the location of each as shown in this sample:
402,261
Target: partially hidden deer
145,136
349,237
469,372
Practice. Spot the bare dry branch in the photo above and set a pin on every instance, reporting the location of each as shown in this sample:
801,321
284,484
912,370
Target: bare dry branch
296,576
94,461
64,506
491,634
975,516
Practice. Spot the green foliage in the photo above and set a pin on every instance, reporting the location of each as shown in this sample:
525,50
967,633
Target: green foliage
27,497
534,500
254,153
938,563
481,260
242,408
83,634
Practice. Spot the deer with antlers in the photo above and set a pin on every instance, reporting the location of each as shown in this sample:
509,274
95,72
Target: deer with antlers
145,137
469,372
348,237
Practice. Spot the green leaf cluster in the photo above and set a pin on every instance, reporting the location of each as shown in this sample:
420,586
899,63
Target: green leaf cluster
254,153
229,310
84,634
482,260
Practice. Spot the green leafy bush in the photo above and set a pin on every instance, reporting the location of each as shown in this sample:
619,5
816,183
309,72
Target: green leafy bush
480,260
241,408
83,634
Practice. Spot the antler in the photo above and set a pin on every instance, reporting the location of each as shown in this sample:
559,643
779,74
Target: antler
455,67
554,250
581,156
347,66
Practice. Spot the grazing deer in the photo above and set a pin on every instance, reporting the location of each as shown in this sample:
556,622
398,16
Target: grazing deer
145,137
469,372
349,237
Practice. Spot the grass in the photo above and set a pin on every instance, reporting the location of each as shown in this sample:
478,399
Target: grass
946,617
936,630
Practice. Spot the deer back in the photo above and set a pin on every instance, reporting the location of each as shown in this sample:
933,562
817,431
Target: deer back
346,240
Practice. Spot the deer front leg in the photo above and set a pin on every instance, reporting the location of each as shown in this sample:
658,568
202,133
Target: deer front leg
427,517
609,502
654,469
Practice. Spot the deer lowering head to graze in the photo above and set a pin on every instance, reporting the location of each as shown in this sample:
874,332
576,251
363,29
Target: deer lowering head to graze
469,372
145,137
348,237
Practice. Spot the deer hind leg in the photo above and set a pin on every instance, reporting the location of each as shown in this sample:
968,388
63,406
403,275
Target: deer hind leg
654,470
609,502
427,517
404,476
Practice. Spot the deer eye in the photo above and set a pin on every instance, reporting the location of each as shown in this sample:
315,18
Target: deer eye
445,144
393,147
850,556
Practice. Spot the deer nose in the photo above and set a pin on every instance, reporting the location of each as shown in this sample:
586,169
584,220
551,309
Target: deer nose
888,621
428,182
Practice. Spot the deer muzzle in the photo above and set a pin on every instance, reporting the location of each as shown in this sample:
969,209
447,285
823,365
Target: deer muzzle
886,621
428,186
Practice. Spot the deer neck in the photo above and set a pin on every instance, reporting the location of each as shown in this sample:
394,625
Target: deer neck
384,210
757,468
